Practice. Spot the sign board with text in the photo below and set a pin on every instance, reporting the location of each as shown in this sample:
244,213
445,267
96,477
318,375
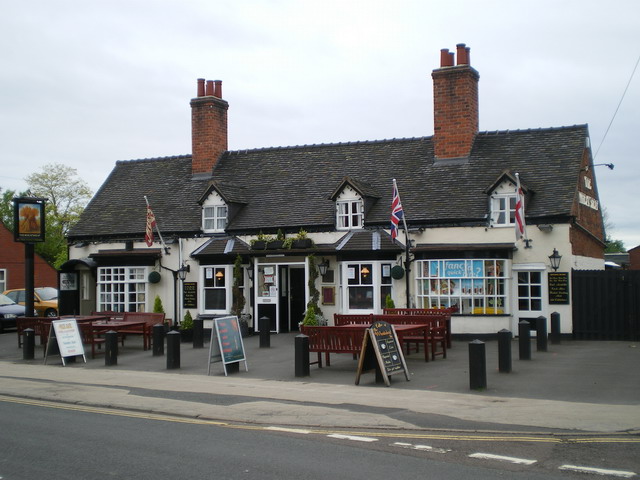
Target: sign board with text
226,343
381,351
66,335
558,288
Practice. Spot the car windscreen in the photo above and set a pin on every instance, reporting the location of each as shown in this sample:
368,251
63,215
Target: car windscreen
4,300
47,293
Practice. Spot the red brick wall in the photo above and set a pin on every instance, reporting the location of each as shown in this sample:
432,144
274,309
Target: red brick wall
455,110
208,132
12,260
590,242
634,258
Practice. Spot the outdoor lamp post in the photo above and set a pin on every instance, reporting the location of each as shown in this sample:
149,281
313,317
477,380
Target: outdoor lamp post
555,258
182,271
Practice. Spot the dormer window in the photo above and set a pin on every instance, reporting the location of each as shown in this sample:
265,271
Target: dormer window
214,214
503,207
214,218
350,214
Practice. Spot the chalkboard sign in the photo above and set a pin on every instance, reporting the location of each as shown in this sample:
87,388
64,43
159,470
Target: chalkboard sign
66,335
381,350
226,344
190,295
558,288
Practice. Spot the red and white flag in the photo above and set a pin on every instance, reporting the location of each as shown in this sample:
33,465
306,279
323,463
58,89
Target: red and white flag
397,212
151,223
521,228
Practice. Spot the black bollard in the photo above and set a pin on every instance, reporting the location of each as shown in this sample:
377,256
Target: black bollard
158,340
29,344
541,335
504,351
198,333
302,356
264,324
477,365
555,328
524,340
173,350
111,348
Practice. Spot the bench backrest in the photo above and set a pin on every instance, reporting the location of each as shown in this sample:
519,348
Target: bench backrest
352,319
149,317
418,311
333,338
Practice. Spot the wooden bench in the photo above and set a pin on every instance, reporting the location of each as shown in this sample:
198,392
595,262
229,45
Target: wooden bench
35,323
149,318
436,335
443,312
329,340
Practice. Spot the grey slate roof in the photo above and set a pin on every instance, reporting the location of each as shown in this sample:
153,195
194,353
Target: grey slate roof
290,187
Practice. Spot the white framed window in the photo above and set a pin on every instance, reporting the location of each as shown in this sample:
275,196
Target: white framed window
350,214
366,285
474,287
217,284
214,218
122,289
529,291
503,208
3,280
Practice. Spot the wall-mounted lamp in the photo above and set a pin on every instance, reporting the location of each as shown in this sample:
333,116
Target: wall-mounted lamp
250,271
555,258
323,267
182,271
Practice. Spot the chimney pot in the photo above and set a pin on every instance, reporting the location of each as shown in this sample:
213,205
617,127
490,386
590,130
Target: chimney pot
444,57
217,91
462,54
201,87
209,88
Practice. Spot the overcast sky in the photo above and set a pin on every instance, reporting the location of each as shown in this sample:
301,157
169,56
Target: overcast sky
87,83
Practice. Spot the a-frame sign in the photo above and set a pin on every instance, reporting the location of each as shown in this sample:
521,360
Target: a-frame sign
381,351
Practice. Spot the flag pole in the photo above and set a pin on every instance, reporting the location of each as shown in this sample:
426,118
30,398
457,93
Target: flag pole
407,246
166,249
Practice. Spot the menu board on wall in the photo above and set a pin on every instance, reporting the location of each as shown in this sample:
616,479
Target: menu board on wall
190,295
558,288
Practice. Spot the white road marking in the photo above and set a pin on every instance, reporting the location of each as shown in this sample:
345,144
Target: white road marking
501,458
426,448
353,437
289,430
598,471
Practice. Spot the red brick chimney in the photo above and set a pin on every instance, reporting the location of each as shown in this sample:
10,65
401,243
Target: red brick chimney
455,104
208,126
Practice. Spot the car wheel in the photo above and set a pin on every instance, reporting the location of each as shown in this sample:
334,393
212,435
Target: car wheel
51,313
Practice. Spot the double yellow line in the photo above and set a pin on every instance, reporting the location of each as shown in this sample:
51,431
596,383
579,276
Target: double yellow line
457,437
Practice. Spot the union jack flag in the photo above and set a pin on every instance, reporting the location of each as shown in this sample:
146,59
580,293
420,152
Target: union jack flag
396,211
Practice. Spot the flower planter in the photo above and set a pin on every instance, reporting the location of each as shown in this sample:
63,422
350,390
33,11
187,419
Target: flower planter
186,336
259,245
275,245
303,243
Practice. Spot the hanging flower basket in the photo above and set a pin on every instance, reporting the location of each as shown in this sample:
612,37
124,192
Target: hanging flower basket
154,277
397,272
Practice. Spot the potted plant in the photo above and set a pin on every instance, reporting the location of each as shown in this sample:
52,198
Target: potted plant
301,240
388,302
278,242
261,241
186,328
157,305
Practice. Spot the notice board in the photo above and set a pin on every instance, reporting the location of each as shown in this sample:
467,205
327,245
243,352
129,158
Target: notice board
226,343
190,295
381,351
66,334
558,288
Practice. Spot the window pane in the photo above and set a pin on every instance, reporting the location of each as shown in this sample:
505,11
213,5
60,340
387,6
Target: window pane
361,298
215,299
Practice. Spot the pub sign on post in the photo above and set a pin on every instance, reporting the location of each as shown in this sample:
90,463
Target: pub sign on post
29,219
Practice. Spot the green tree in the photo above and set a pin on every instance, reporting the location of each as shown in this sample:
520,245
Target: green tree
67,195
612,245
6,206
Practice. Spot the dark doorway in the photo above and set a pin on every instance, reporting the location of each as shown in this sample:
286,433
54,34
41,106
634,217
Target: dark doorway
296,297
